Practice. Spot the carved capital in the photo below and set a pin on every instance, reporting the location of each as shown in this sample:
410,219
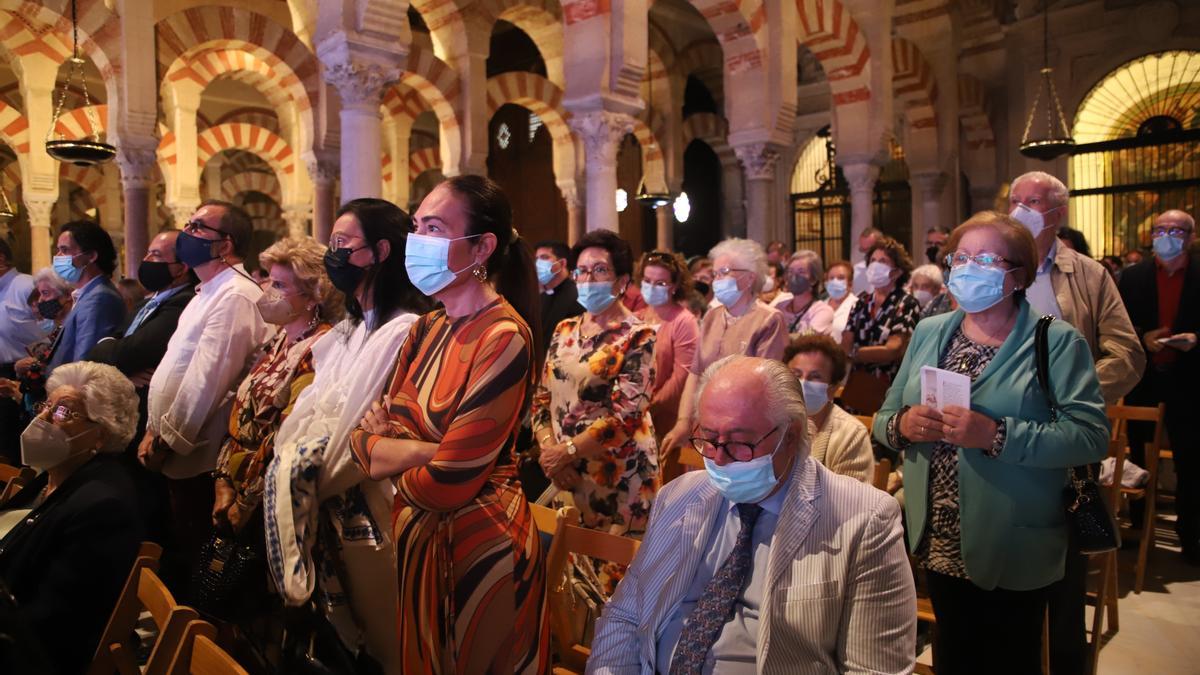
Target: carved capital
861,176
928,184
758,160
602,131
38,209
359,83
181,213
137,167
323,172
296,216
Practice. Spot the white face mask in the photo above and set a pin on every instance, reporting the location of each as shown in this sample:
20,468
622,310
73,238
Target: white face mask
769,285
45,445
879,274
1034,221
923,296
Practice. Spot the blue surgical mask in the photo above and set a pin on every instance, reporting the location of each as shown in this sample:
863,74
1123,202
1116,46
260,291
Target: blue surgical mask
655,296
427,260
816,395
975,287
726,291
64,266
46,325
545,271
596,296
745,482
836,288
1166,247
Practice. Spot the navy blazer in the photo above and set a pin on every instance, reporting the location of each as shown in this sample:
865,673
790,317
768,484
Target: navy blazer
96,314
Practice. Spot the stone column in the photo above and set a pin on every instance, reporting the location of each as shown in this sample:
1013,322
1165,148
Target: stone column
296,217
324,177
861,176
574,203
927,208
38,209
758,165
137,177
361,87
182,213
602,131
664,218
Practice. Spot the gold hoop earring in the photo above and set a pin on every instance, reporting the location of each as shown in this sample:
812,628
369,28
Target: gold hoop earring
480,273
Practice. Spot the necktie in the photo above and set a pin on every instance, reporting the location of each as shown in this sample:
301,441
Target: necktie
716,605
142,315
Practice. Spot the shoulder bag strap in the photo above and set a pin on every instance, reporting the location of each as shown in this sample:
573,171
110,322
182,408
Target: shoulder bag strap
1041,346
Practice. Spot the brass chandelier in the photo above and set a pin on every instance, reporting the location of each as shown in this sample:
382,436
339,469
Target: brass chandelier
87,151
1053,139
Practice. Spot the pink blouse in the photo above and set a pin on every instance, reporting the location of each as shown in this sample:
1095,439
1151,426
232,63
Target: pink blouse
674,351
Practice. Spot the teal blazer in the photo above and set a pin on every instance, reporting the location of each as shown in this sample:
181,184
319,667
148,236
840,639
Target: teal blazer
1014,532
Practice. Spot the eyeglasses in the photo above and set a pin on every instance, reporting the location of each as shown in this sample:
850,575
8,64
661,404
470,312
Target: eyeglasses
721,272
59,412
598,272
194,226
1177,232
739,451
657,284
982,259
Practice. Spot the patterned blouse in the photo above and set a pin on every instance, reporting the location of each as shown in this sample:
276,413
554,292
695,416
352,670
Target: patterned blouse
601,385
263,400
897,316
940,549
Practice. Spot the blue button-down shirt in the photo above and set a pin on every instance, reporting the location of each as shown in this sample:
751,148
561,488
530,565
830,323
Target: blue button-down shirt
1041,292
149,306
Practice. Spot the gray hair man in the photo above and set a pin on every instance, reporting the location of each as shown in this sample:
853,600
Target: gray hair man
766,562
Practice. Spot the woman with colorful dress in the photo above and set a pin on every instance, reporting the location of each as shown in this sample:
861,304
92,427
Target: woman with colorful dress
591,412
469,562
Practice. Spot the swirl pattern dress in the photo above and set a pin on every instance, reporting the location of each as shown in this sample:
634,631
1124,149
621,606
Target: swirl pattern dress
471,570
601,385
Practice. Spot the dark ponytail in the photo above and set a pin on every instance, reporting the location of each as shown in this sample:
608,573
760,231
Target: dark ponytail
511,265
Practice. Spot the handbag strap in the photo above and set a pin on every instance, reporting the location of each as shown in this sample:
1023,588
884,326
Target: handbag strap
1041,348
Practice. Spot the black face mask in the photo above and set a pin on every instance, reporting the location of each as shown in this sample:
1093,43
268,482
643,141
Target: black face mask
344,275
932,254
49,308
701,288
154,275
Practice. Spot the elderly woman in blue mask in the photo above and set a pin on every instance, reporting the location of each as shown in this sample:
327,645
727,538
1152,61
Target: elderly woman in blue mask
591,410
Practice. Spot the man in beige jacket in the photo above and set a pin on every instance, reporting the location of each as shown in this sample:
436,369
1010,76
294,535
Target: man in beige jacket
1080,291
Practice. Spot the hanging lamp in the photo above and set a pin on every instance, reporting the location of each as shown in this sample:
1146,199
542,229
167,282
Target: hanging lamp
1055,139
643,196
86,151
7,211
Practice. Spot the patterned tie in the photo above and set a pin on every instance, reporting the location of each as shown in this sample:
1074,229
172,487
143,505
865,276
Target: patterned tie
144,312
716,605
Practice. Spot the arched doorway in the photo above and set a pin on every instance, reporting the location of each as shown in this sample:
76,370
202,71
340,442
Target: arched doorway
520,159
702,185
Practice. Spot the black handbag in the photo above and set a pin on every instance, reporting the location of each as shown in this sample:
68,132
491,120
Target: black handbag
1093,528
228,577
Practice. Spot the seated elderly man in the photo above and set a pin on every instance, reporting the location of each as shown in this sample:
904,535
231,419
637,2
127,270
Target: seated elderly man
767,562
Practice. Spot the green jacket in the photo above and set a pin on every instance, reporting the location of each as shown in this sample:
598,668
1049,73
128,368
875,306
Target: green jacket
1014,532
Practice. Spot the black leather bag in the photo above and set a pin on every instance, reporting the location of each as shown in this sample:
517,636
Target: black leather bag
1088,516
227,575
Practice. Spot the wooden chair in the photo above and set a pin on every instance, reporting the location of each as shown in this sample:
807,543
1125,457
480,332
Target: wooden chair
690,458
581,541
199,654
12,479
883,469
1105,597
143,591
1120,416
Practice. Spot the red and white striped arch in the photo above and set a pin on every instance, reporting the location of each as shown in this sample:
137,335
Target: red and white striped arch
974,112
829,31
261,142
262,117
711,129
542,98
14,130
704,59
541,20
204,66
78,123
251,181
37,28
89,178
738,26
913,84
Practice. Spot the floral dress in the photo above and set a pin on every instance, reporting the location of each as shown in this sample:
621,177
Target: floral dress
600,385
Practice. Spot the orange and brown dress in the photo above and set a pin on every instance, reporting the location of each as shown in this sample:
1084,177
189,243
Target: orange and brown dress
471,571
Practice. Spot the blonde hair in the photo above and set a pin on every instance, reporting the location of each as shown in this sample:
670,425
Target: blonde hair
108,395
306,259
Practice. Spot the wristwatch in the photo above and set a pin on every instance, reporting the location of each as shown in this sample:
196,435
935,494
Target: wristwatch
571,449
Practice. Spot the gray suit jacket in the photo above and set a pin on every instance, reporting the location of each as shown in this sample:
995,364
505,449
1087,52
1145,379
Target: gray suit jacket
839,590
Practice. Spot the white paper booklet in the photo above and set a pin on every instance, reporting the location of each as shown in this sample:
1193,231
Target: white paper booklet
940,388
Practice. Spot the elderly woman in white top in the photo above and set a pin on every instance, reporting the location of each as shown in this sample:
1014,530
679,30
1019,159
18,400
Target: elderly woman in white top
743,324
841,442
71,534
800,304
839,280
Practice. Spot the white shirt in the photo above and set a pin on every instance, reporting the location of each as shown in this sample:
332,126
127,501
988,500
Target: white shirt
1041,292
860,278
18,327
841,316
735,650
213,347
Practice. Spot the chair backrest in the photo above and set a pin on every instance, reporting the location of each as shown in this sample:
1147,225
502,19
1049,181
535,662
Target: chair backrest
12,479
144,590
867,421
199,654
545,518
883,469
1121,415
689,457
1112,492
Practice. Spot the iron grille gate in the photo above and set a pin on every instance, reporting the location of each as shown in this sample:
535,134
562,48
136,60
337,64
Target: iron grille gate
1119,186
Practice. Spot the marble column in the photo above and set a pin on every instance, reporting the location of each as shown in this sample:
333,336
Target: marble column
861,177
324,176
361,87
664,219
575,216
927,204
296,217
758,166
38,209
601,131
137,177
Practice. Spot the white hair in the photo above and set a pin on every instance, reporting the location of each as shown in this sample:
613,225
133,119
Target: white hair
748,255
48,275
108,395
930,272
783,397
1057,191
